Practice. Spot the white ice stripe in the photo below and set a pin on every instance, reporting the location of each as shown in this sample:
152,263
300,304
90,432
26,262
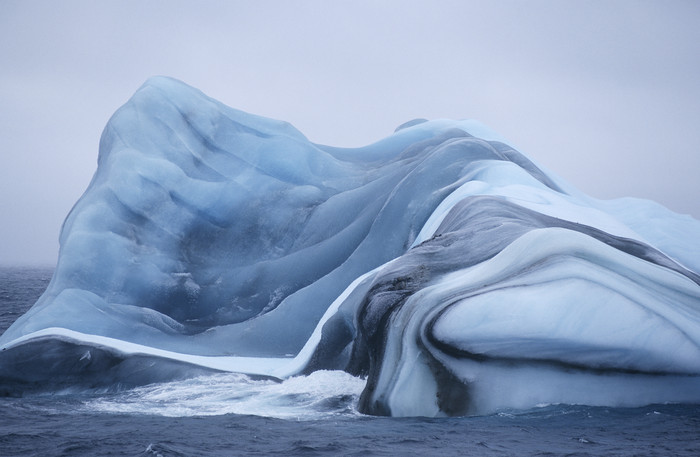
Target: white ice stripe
279,367
303,357
248,365
525,191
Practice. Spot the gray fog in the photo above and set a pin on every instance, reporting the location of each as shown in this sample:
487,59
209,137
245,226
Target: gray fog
606,94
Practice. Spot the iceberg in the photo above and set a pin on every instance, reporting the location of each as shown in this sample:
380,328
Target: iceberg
440,264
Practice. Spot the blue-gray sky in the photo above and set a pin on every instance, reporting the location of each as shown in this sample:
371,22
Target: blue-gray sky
604,93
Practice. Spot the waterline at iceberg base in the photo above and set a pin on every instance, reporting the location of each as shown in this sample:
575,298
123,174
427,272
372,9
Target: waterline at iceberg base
440,264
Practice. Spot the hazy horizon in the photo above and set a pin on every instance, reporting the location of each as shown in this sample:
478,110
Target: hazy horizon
604,94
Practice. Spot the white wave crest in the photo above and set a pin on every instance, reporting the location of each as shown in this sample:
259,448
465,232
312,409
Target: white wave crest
319,395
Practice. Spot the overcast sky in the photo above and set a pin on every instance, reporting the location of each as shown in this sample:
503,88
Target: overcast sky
604,93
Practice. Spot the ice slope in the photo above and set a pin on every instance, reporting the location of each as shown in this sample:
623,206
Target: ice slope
441,264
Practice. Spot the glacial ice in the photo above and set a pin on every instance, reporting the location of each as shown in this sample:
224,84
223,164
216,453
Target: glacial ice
442,265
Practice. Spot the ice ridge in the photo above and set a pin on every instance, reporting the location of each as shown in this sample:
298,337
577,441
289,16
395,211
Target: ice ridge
441,264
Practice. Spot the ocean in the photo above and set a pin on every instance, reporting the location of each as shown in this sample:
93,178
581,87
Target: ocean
230,415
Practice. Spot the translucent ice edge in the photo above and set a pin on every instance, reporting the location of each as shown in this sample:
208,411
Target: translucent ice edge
279,367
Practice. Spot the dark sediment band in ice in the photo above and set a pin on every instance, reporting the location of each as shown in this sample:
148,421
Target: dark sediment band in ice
442,264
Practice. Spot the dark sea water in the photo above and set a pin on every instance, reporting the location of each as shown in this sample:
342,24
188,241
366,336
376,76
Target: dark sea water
228,415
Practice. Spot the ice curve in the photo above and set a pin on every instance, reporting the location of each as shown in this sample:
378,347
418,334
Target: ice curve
440,263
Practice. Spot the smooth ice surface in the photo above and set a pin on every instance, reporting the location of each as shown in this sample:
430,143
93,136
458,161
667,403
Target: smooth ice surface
439,263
